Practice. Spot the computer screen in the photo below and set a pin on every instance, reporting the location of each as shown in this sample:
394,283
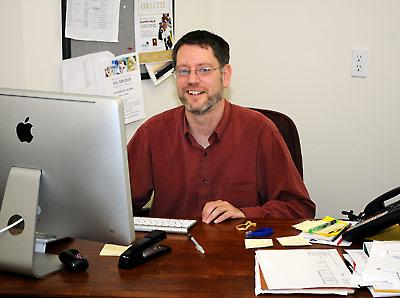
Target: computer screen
70,149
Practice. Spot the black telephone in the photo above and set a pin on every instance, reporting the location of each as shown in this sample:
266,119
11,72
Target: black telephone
376,216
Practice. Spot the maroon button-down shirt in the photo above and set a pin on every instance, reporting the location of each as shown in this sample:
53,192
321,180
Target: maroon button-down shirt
246,164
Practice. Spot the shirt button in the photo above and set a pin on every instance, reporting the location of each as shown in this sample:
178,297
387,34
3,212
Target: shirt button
205,154
204,181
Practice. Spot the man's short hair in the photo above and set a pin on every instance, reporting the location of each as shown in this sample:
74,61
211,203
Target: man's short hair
204,39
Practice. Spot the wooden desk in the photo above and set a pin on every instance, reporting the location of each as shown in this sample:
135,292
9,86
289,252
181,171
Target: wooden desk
226,270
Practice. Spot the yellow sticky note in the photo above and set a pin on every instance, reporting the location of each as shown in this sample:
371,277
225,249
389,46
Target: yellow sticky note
293,241
257,243
305,226
113,250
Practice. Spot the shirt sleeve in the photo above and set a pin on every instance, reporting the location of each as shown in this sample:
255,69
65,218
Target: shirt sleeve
140,173
280,186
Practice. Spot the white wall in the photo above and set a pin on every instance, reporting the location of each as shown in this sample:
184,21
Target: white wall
30,48
12,57
288,55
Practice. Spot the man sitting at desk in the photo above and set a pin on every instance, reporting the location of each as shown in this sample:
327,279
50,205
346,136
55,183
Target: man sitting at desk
210,158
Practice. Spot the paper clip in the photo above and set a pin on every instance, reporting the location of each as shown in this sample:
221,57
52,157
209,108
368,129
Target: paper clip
245,226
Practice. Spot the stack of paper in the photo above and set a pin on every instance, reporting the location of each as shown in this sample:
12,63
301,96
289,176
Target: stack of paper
324,231
380,270
312,271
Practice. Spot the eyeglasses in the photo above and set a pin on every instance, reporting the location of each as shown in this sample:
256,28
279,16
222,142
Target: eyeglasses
200,72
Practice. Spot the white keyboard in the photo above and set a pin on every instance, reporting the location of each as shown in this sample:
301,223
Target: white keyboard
169,225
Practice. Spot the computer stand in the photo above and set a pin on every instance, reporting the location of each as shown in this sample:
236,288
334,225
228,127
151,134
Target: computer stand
17,251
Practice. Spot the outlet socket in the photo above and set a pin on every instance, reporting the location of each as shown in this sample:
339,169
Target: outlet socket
359,62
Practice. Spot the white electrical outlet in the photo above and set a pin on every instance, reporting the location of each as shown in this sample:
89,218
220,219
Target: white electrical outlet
359,62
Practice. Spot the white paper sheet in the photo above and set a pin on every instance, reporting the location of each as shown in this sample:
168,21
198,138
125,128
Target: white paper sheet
304,268
374,268
85,74
95,20
258,290
104,74
379,271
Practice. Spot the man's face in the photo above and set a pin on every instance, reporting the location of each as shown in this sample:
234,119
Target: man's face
200,92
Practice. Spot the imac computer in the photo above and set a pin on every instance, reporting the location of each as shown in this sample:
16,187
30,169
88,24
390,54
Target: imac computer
63,171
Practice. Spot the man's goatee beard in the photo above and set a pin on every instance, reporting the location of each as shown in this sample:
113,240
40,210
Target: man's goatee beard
204,108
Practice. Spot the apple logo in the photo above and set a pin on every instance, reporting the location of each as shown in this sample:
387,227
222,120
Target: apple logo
24,133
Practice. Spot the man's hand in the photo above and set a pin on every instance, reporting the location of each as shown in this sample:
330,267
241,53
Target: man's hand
218,211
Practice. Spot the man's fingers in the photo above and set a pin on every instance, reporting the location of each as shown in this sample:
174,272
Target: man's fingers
219,211
213,213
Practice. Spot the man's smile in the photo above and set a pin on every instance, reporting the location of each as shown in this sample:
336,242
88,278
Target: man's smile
195,92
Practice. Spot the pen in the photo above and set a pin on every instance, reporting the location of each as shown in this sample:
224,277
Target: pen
341,232
348,265
320,227
196,244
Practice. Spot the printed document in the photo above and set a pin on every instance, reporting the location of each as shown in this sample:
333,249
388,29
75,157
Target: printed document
302,271
95,20
104,74
123,80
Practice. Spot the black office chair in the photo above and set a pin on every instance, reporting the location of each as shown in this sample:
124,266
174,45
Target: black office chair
289,133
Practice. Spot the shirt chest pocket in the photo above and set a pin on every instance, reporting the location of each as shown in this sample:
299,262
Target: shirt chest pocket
241,194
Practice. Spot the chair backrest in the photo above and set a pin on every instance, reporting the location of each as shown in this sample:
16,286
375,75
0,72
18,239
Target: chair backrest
289,133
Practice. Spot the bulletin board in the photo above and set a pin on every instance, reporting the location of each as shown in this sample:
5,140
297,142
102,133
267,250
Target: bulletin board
126,36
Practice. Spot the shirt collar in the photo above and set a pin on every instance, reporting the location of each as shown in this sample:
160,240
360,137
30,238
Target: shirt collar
219,130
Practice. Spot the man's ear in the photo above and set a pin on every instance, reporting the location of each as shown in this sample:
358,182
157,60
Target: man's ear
226,75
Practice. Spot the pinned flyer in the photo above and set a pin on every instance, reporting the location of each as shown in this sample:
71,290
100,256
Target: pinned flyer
104,74
123,80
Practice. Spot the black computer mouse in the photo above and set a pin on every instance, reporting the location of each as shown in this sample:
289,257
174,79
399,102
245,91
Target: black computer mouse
73,260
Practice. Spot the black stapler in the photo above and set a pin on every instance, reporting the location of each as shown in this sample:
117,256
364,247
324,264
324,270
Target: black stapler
143,250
